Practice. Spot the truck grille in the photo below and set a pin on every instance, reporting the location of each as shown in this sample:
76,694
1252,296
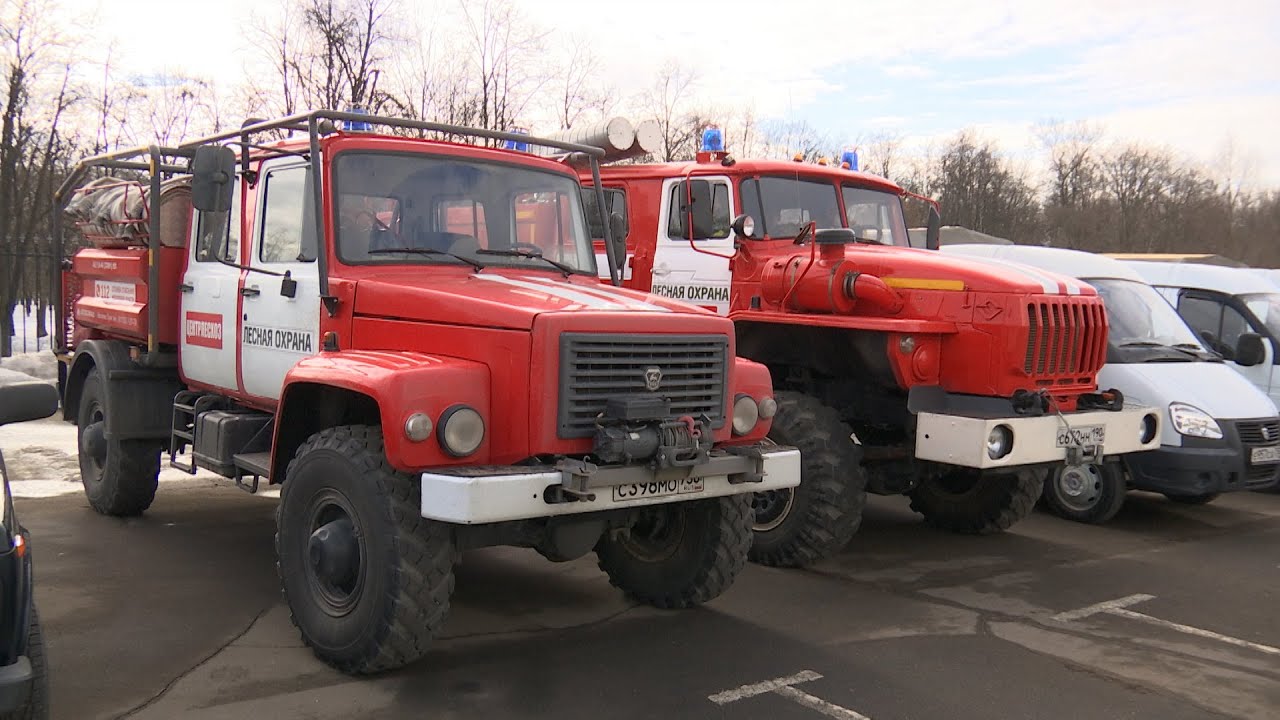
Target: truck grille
1066,340
595,367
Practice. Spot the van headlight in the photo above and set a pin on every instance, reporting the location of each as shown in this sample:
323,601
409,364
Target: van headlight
460,430
1194,422
746,413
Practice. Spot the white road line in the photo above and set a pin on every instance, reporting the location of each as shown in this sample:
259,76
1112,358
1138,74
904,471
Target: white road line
1119,608
760,688
817,703
1101,607
783,687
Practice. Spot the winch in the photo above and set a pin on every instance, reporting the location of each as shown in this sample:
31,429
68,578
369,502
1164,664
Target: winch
636,428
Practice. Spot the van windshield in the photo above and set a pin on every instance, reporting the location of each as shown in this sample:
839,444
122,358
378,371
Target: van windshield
1266,307
1140,317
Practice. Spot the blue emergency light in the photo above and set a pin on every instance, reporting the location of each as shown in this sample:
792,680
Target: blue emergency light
850,159
358,125
517,145
712,139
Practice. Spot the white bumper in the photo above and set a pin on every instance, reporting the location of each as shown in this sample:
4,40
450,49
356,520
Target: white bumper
516,493
958,440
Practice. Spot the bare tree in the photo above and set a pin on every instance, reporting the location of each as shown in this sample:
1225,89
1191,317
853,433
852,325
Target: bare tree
503,49
578,92
882,152
666,101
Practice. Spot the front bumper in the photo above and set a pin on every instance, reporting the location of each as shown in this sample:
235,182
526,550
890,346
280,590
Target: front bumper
1201,466
471,496
15,684
962,440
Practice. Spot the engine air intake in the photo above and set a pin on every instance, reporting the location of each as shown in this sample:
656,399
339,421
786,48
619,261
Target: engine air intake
1066,340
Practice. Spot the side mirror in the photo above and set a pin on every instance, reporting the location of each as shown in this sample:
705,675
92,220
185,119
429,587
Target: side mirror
212,170
933,230
698,211
27,400
1250,350
744,226
618,231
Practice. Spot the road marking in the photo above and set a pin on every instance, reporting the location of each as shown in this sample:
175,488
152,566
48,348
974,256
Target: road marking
1119,608
783,687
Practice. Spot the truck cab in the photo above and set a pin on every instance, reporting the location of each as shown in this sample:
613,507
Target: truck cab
900,370
408,334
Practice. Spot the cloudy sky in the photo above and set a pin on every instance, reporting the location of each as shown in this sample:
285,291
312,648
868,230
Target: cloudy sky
1190,75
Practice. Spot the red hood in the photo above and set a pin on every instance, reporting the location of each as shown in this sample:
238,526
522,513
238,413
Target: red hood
978,274
502,298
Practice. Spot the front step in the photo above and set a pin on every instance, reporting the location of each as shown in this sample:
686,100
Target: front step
256,465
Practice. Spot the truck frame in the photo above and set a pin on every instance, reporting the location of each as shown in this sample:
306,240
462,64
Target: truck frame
898,370
408,333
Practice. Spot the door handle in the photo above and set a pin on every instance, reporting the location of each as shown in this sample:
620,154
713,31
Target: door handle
186,287
662,270
252,291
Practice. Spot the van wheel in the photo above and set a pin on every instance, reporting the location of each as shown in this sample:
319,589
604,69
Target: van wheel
119,476
678,555
1088,493
37,705
972,502
1204,499
366,577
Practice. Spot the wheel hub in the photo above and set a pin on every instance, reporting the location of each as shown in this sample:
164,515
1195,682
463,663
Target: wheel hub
772,508
1079,486
93,442
334,553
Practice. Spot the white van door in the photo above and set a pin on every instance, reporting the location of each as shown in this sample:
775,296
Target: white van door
679,270
207,337
1219,326
280,322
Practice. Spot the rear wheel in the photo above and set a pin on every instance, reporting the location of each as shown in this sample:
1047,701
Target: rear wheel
366,577
1203,499
799,526
969,501
119,476
1088,493
679,555
37,704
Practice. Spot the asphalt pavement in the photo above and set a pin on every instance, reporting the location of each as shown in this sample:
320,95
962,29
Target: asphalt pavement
1167,612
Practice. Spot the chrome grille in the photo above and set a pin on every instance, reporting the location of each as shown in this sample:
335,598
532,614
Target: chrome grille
1259,432
596,366
1066,339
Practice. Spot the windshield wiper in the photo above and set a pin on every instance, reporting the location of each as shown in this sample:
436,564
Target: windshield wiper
428,251
568,270
1141,343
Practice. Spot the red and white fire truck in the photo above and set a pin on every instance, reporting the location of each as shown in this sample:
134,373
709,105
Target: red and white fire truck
410,336
898,370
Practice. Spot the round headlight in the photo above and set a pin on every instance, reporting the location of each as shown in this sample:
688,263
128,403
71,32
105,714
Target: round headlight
461,430
999,442
417,427
749,226
1149,428
768,407
746,413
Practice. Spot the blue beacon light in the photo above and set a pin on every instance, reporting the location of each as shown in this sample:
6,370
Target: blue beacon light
849,159
519,146
712,140
358,125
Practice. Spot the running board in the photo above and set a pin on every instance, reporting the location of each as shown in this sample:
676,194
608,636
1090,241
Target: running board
255,465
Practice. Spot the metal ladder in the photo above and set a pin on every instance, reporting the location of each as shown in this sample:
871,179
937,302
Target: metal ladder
187,405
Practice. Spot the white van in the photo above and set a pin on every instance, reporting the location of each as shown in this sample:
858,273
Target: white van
1219,433
1230,309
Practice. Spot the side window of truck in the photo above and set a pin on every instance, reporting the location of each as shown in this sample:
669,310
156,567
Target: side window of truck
679,213
463,216
218,233
283,217
615,200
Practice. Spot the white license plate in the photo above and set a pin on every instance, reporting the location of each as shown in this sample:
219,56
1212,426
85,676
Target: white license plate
657,488
1264,455
1082,436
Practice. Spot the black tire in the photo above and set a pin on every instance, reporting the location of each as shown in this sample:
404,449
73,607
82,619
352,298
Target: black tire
1091,493
380,607
1203,499
678,555
119,476
37,705
802,525
971,502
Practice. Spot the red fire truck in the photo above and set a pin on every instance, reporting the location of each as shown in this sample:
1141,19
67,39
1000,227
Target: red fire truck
410,336
898,370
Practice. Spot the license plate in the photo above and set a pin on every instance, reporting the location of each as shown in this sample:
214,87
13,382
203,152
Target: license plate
1264,455
1082,436
657,488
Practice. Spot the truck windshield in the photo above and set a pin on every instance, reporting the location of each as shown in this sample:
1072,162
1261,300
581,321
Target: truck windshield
1265,307
874,215
1139,316
451,210
782,205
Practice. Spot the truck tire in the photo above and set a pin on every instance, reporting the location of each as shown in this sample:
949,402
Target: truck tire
1089,493
119,476
799,526
971,502
678,555
366,577
37,704
1203,499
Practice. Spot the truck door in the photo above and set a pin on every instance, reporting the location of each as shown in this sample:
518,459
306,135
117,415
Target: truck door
278,327
701,208
1219,326
207,342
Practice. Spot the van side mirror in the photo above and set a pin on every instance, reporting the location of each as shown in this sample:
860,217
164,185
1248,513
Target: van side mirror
933,229
1250,350
212,170
618,231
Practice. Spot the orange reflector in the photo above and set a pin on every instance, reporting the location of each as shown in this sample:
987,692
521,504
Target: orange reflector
923,284
19,545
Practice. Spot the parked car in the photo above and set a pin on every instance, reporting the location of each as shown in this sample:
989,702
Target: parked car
1220,434
24,686
1232,310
